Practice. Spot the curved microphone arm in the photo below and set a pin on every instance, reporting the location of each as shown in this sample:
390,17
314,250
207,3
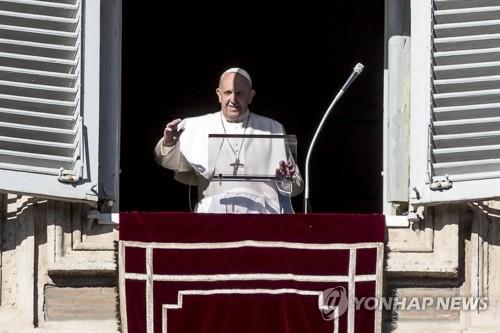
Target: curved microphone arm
356,71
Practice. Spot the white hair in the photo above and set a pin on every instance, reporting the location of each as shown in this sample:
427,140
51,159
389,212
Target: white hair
240,71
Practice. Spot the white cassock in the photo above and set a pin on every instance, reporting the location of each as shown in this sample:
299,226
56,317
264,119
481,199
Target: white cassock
194,162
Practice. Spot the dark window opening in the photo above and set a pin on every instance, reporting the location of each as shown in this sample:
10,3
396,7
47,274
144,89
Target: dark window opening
299,57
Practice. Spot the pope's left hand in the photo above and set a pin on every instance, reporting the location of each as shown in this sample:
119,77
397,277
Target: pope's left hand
285,169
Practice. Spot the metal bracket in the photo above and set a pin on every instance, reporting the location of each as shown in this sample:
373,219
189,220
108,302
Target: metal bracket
103,218
416,193
415,214
68,176
441,183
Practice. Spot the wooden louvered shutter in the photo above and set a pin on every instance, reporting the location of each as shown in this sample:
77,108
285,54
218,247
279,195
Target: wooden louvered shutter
48,117
462,160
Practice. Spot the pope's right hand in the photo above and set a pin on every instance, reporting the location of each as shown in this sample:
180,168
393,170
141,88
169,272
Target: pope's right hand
171,134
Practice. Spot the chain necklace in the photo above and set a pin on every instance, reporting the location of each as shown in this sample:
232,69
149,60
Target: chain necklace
237,163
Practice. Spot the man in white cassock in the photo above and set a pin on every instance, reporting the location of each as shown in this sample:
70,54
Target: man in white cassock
184,148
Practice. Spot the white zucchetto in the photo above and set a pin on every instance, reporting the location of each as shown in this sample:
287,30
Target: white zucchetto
240,71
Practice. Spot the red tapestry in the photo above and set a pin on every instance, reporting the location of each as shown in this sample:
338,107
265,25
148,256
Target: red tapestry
182,272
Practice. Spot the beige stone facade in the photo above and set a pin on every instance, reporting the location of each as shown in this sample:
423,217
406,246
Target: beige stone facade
58,270
453,252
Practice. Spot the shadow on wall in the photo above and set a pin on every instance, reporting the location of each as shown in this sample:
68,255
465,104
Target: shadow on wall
23,217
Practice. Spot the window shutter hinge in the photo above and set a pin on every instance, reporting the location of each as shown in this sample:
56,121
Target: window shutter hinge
441,183
68,176
415,194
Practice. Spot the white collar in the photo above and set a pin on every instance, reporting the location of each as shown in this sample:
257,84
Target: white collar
241,121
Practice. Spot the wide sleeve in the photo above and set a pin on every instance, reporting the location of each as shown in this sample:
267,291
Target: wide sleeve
173,159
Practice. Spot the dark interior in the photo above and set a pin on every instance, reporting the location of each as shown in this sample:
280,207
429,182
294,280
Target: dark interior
299,56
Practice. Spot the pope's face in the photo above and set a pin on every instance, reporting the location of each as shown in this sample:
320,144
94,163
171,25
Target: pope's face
235,94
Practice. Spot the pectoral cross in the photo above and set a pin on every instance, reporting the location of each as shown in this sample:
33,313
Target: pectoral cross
236,165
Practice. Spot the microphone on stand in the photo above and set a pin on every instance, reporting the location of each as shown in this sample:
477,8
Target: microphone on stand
355,73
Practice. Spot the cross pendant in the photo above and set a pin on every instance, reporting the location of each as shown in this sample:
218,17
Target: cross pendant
236,165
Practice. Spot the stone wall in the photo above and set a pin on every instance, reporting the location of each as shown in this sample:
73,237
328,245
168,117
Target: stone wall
57,268
58,271
453,252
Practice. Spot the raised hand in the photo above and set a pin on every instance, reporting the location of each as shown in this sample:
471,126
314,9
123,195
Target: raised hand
171,134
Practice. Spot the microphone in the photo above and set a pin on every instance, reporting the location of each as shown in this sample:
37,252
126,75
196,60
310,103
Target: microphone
355,73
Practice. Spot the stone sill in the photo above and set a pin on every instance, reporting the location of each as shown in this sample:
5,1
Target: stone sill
83,265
